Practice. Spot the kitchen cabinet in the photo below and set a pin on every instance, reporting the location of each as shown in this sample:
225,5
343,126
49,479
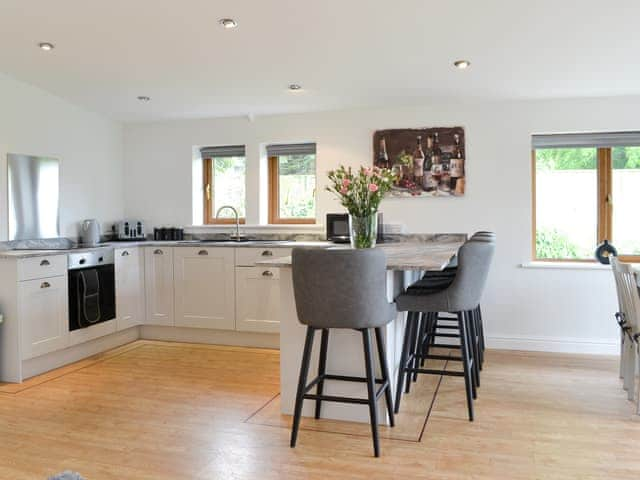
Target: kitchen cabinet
158,268
258,299
129,267
43,310
204,287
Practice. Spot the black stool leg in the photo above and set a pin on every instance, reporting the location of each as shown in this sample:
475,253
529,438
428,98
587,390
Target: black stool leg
322,366
403,359
422,329
468,381
412,349
302,384
473,346
371,389
385,375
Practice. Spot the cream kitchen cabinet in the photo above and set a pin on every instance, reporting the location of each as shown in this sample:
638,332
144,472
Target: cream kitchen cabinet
43,310
129,267
204,287
159,285
258,299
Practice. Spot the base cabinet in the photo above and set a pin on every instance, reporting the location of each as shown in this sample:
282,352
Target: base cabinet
158,269
129,267
258,299
43,310
204,287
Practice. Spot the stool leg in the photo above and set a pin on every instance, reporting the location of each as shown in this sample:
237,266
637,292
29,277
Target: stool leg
403,359
385,375
322,365
371,389
422,329
412,349
468,381
302,384
473,346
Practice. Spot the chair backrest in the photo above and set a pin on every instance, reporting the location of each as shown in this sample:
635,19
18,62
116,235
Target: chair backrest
628,284
474,261
617,277
341,288
481,235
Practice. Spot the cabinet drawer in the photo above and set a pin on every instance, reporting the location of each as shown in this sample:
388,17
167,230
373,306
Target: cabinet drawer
247,257
41,267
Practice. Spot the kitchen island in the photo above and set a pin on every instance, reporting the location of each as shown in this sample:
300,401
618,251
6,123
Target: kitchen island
406,261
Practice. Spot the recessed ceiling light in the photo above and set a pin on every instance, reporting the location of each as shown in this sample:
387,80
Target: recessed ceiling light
228,22
462,64
294,87
143,98
46,46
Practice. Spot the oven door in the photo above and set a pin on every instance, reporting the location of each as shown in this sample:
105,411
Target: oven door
92,296
338,227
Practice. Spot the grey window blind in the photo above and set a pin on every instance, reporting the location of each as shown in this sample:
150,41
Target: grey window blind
586,140
291,149
227,151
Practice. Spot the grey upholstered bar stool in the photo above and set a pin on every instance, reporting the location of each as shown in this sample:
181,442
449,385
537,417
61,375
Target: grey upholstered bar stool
342,288
461,297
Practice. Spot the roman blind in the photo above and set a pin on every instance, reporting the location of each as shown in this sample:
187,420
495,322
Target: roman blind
291,149
226,151
586,140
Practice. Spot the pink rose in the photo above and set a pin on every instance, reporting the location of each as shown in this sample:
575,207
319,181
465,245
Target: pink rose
346,182
373,187
344,190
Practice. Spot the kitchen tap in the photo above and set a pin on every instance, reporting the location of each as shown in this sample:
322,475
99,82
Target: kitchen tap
237,236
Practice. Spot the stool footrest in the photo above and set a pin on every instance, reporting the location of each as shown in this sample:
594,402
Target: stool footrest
431,356
436,372
333,398
447,335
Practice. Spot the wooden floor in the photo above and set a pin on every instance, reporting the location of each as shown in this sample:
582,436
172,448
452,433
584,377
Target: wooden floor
154,410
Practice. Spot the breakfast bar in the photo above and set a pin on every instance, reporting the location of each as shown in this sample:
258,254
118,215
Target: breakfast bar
406,261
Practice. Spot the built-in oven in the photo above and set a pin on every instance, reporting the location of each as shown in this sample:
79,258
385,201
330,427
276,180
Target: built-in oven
92,290
338,228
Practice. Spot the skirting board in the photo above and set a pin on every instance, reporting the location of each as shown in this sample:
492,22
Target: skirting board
214,337
555,344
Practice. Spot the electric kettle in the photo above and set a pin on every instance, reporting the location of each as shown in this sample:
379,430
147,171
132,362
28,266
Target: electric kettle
90,233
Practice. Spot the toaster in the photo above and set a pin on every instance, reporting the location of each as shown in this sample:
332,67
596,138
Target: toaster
129,230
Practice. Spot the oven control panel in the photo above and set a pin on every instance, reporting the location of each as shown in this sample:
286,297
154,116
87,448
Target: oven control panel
91,258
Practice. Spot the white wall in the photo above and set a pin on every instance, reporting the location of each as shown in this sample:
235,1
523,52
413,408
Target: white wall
88,146
564,310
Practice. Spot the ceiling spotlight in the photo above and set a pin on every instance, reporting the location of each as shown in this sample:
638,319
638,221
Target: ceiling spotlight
143,98
294,87
228,22
462,64
46,46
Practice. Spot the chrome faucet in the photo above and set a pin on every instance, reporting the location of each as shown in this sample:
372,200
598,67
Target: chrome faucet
235,212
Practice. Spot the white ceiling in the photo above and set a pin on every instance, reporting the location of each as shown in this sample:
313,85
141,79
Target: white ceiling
344,52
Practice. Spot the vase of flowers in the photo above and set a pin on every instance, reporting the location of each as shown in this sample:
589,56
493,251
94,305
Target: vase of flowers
360,192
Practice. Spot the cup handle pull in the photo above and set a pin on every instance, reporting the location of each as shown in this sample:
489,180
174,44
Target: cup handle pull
203,252
267,253
267,273
125,254
45,263
157,251
45,285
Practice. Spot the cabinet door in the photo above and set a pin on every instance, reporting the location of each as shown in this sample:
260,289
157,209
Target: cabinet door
158,269
44,315
258,299
205,290
129,287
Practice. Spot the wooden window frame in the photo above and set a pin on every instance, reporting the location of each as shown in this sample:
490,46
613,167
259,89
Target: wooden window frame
274,197
207,197
604,168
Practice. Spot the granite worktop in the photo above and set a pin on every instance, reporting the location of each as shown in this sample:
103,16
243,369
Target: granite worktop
428,253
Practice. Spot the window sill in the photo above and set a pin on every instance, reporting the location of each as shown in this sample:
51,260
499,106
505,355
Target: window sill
305,227
566,266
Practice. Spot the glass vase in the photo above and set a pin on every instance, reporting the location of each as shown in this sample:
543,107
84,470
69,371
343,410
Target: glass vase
363,230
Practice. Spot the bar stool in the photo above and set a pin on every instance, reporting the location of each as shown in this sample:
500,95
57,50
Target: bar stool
432,323
460,298
342,288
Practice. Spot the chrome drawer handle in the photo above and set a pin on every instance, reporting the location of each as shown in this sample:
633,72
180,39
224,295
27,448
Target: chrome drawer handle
203,252
157,251
125,254
45,285
267,273
44,263
267,253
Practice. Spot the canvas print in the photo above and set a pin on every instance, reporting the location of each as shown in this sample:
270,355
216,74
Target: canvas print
428,162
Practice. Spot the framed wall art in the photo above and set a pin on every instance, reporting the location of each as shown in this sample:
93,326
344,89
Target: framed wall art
428,162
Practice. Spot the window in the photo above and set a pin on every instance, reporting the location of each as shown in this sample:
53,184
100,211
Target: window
586,188
292,183
224,174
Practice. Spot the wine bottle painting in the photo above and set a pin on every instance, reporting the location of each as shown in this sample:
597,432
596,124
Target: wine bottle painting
428,162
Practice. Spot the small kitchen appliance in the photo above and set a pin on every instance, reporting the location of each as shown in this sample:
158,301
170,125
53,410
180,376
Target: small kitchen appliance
90,233
129,230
